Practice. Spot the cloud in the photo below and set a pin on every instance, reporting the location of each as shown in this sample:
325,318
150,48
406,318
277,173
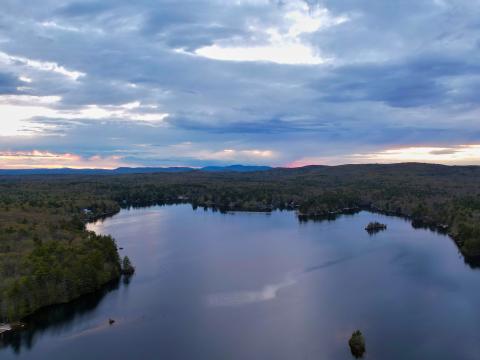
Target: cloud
460,154
452,155
40,65
85,8
25,113
18,109
236,155
41,159
82,29
303,81
130,112
9,83
282,46
192,150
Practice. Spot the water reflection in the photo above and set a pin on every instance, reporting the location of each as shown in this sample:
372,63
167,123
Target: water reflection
248,286
55,319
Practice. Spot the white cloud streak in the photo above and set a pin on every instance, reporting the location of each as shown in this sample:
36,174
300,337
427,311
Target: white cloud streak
41,66
18,110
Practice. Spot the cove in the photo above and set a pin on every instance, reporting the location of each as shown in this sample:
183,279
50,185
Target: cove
266,286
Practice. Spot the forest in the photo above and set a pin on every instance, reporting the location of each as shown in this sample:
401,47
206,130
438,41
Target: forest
47,256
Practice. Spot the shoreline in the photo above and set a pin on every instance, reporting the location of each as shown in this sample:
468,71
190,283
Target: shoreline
19,325
441,228
302,217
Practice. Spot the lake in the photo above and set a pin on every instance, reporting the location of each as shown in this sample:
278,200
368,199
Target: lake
266,286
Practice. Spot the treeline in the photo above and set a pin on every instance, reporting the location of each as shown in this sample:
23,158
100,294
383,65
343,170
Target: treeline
58,272
47,256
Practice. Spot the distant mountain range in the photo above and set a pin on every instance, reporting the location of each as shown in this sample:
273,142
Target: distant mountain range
132,170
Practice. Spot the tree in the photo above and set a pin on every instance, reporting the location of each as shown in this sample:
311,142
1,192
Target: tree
127,267
357,344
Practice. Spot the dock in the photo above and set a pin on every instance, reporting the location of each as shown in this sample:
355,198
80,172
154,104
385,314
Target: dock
5,328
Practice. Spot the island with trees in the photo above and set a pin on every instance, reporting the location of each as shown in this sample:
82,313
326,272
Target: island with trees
127,267
357,344
375,226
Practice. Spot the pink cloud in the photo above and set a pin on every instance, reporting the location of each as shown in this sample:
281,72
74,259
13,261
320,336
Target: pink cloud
463,154
46,159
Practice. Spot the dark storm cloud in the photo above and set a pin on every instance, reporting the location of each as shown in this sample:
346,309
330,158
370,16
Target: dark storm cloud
425,80
398,73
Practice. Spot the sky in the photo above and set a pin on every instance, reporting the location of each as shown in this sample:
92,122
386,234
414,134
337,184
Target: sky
109,83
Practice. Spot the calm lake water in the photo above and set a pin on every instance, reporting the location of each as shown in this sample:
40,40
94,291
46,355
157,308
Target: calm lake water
256,286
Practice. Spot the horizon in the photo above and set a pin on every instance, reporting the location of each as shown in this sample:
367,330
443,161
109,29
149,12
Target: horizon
228,166
256,82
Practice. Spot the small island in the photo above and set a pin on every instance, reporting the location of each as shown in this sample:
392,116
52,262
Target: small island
375,226
357,344
127,267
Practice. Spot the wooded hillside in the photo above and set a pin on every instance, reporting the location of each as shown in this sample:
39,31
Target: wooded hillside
47,256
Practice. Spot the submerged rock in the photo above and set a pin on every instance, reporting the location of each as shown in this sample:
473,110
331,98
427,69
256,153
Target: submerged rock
357,344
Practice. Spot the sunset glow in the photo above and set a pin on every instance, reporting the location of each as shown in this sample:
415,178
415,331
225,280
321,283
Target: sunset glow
48,160
452,155
461,154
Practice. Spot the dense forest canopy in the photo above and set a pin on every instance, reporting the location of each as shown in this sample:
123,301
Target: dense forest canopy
47,256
